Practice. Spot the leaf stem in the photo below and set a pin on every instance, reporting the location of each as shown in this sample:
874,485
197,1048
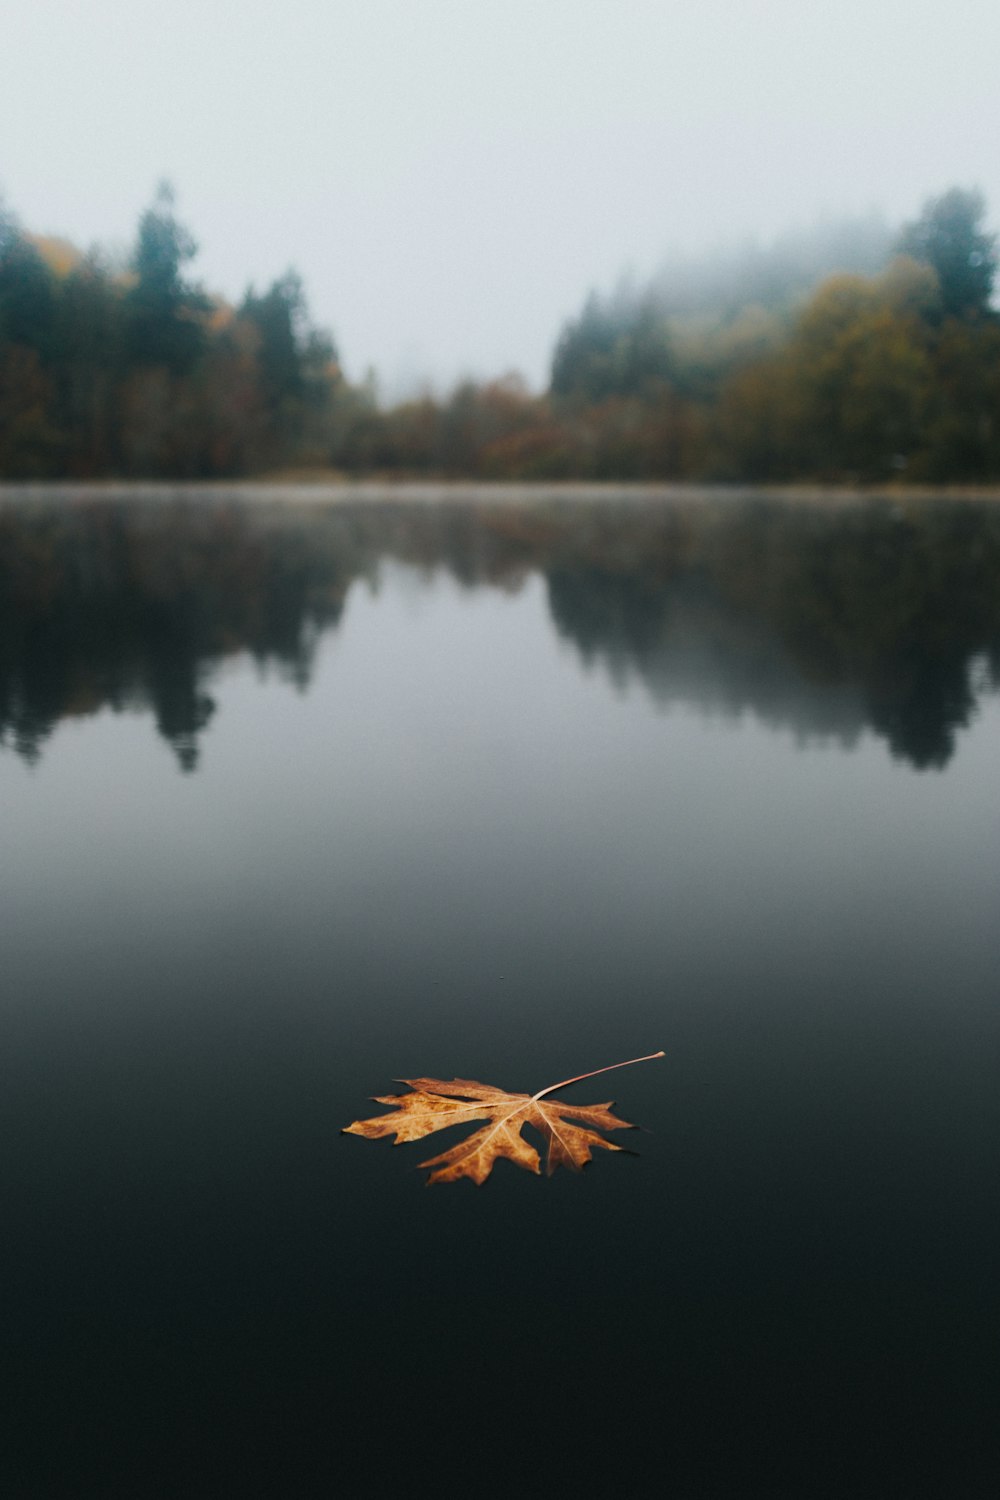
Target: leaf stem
611,1066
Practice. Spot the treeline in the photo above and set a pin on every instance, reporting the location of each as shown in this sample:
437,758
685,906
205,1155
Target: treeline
887,367
134,371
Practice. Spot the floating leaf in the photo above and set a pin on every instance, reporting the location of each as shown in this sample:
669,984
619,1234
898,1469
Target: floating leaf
569,1130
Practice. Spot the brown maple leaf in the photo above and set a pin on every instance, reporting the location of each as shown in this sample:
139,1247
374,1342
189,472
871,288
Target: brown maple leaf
434,1104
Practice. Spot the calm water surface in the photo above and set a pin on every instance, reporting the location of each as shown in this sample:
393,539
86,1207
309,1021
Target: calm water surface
299,799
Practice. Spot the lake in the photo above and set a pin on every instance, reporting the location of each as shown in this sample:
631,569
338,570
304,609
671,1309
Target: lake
304,795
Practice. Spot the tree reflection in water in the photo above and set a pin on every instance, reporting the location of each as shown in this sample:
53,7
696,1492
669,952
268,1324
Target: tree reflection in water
829,618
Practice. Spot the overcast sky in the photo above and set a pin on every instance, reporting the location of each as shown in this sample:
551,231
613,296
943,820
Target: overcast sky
451,176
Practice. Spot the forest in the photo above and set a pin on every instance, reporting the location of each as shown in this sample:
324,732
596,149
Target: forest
862,358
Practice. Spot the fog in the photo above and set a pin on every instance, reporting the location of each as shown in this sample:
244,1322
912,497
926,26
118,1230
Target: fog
451,180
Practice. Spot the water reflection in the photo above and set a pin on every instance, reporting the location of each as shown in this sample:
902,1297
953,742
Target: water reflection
129,607
825,618
456,853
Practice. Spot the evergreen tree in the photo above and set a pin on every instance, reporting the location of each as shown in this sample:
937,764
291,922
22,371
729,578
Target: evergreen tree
296,365
165,312
949,236
27,292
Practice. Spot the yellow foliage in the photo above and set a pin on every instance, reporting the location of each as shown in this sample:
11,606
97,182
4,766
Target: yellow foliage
61,256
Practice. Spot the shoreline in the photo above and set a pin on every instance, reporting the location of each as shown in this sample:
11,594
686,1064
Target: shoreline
321,491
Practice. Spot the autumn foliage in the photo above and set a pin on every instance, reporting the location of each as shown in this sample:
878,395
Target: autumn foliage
570,1132
884,366
131,369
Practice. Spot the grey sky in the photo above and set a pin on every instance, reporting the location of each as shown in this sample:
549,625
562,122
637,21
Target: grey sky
452,176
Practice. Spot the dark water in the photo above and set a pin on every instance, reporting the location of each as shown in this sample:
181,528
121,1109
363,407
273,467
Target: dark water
297,800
